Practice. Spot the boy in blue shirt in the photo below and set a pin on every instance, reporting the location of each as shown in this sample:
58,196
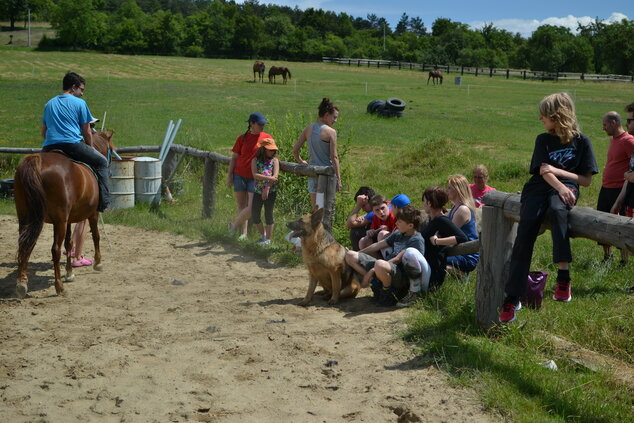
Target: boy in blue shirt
66,123
390,273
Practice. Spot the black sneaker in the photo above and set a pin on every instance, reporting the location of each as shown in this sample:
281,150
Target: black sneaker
387,297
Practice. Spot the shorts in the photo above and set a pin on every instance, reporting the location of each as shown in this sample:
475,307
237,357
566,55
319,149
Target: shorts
399,278
312,185
607,197
241,184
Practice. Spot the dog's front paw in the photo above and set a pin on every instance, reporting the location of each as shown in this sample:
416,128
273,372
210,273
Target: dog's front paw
333,301
303,303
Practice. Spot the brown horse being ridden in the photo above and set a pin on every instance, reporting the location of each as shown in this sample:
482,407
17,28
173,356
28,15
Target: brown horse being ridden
434,75
51,188
258,67
278,70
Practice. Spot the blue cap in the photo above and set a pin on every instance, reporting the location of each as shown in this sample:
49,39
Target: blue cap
258,118
401,200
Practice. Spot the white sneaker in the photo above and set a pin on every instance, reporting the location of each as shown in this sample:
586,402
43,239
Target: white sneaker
263,241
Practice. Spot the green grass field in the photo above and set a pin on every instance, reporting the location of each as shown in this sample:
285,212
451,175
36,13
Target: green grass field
446,129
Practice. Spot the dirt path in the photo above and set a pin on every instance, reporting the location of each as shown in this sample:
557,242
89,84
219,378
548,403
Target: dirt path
176,330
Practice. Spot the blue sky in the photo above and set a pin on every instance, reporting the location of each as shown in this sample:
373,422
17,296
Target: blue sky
513,15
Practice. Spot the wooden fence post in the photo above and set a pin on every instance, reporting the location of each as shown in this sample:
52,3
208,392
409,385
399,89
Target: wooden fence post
496,245
210,177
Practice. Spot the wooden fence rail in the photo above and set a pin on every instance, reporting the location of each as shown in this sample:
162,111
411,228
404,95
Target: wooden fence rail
326,187
478,70
498,234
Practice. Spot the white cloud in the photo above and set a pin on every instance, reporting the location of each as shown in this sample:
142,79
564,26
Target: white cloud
526,27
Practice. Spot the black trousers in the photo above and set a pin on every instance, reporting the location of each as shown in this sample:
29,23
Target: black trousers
532,212
256,208
82,152
356,234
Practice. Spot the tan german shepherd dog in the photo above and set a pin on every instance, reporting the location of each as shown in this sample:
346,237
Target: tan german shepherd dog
325,259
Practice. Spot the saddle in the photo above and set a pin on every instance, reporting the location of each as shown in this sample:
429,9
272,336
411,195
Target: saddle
78,161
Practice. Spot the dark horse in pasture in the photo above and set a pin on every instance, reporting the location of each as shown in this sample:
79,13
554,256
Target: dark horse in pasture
278,70
51,188
258,67
434,75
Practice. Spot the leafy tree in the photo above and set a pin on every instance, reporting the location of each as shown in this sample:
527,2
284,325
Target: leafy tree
164,32
403,25
417,27
249,29
14,10
617,47
555,48
278,29
78,24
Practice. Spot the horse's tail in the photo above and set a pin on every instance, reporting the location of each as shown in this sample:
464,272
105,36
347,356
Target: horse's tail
30,203
289,73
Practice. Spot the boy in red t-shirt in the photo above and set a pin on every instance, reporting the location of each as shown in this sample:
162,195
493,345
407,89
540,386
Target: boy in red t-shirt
383,222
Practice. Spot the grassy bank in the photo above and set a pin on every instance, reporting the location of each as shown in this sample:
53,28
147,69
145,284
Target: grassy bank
445,129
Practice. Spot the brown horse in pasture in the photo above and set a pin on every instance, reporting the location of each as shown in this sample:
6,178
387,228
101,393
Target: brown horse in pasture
278,70
51,188
258,67
434,75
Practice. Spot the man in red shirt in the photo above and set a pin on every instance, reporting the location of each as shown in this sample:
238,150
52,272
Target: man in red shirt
619,153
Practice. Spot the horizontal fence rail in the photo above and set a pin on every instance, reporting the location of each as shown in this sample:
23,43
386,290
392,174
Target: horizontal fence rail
479,71
326,186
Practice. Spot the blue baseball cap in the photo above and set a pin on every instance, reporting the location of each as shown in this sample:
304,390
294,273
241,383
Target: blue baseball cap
258,118
401,200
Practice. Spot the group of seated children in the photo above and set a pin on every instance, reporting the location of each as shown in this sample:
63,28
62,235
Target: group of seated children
399,251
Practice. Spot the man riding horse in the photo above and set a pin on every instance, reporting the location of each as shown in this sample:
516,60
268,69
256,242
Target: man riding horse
66,122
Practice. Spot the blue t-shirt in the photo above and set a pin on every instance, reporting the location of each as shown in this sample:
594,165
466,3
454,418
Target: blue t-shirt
63,117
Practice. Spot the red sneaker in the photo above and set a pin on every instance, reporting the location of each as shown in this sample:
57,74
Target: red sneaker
507,315
562,292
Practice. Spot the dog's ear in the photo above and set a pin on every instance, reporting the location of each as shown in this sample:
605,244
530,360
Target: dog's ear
316,217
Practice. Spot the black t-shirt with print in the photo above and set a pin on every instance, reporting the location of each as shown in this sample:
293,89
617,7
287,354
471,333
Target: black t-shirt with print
576,156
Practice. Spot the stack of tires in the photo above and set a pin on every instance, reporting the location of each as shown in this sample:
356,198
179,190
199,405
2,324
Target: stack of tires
392,107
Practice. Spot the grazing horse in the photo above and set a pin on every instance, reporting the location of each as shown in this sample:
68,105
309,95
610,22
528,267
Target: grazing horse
258,67
278,70
51,188
434,75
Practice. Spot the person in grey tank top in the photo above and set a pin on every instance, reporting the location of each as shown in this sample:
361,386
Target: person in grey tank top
322,145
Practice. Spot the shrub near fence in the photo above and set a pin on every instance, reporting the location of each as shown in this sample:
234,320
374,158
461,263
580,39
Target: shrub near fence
480,71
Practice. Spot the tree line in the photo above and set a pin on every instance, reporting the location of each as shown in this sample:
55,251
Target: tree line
226,29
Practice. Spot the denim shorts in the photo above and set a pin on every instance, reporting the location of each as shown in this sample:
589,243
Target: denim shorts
240,183
312,185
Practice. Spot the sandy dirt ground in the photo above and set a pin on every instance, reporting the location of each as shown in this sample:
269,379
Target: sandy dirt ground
175,330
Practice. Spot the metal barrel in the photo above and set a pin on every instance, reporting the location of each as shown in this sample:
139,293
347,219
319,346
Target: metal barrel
147,180
122,184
